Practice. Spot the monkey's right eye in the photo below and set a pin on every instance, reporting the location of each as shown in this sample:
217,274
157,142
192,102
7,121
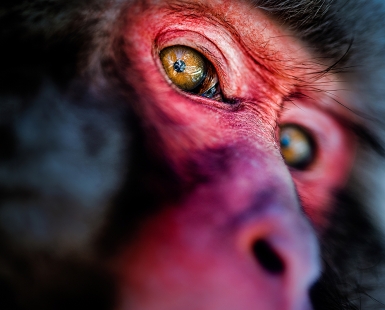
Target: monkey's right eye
297,147
190,71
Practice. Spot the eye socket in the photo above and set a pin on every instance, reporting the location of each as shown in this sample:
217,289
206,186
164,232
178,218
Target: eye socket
190,71
297,146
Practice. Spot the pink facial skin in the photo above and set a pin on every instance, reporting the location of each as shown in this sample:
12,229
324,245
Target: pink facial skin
199,253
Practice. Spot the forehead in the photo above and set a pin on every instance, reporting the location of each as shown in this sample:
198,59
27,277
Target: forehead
234,14
237,24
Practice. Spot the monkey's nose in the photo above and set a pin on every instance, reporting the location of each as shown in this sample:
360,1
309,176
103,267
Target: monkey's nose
285,251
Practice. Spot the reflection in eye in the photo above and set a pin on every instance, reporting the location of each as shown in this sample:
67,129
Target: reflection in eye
190,71
297,146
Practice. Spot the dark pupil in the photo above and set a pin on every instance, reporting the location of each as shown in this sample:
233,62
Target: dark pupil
179,66
285,141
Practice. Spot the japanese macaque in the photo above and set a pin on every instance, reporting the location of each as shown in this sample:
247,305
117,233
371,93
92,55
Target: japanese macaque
197,155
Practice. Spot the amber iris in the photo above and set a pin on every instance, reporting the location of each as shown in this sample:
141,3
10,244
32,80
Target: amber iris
297,146
185,67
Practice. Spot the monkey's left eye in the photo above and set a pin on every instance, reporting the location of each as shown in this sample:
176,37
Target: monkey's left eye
297,146
190,71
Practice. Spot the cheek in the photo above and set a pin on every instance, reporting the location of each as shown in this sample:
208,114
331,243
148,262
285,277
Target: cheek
334,155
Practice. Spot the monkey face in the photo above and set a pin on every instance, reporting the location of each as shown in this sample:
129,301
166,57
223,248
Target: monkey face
216,95
177,155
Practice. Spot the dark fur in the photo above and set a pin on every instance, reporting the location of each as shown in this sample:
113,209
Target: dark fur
68,157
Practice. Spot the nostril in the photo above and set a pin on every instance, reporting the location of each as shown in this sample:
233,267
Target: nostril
268,258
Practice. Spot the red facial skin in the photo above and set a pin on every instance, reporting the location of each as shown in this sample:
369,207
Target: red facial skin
198,254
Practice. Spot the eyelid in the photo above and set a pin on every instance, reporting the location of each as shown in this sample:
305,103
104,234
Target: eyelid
197,41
